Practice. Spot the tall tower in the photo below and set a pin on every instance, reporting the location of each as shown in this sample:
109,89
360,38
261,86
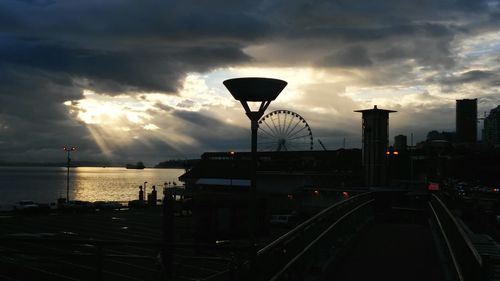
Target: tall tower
466,120
375,142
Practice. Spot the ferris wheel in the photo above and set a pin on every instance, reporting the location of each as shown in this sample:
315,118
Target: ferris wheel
284,130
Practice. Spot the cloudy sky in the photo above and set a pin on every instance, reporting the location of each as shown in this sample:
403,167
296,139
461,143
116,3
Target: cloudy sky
128,80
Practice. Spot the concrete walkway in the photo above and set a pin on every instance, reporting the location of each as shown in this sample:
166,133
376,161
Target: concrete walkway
391,251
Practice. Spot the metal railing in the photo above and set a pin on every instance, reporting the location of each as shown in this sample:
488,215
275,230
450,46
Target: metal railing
326,246
311,242
467,263
300,245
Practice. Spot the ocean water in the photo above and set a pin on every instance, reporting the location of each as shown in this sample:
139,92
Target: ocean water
46,184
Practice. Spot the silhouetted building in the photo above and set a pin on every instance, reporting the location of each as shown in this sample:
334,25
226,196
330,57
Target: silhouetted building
284,172
466,120
375,142
400,142
491,131
443,136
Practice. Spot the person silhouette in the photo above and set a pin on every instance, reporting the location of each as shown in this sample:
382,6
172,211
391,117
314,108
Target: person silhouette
153,194
141,193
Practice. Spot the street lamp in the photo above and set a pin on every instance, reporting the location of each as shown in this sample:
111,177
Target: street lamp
68,150
254,89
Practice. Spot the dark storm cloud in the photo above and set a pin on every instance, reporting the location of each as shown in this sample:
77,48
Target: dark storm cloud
141,46
428,44
480,77
31,94
163,107
117,71
473,76
390,31
36,124
198,119
38,2
355,56
186,104
212,133
394,53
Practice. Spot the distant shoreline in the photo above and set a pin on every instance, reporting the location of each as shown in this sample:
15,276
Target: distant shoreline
34,165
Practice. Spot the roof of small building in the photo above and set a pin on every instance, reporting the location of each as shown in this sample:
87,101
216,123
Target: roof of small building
238,165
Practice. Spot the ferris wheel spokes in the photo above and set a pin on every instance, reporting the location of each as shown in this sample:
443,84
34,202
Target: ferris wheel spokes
283,130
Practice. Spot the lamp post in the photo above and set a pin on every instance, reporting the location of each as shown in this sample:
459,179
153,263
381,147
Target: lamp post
254,89
68,150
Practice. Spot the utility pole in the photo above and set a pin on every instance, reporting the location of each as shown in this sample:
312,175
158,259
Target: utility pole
411,159
68,151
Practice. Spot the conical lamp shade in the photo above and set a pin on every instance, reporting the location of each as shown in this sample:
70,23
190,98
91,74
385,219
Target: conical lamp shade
255,88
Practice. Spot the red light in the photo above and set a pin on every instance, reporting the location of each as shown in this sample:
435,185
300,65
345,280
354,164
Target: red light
496,189
290,196
345,194
433,186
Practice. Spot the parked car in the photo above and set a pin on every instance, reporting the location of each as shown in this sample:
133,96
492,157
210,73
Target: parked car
25,205
79,205
111,205
282,219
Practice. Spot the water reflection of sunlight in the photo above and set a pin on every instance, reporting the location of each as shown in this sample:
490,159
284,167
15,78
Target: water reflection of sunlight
116,184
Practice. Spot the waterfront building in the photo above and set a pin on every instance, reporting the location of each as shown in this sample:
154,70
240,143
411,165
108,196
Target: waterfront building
491,131
466,120
375,143
279,173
